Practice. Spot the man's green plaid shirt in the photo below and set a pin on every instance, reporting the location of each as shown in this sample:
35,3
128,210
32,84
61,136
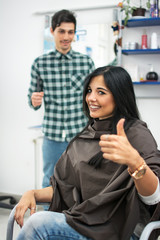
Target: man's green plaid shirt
62,79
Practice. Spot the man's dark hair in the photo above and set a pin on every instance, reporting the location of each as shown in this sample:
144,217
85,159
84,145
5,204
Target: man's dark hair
63,16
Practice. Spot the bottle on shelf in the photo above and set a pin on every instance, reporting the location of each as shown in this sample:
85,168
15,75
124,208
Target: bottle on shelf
156,9
154,42
152,75
144,40
141,77
151,11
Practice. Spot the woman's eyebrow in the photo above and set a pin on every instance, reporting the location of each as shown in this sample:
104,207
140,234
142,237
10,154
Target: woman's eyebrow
100,88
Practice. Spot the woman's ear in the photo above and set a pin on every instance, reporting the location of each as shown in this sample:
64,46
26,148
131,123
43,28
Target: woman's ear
51,30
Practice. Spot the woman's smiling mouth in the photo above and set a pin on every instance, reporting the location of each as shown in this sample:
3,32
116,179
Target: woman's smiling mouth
94,107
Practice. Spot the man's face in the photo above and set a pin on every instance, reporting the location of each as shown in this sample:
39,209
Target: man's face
63,36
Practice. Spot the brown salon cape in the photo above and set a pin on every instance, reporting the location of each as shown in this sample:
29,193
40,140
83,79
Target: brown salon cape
102,203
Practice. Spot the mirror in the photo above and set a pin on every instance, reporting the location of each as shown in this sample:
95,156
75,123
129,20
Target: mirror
94,39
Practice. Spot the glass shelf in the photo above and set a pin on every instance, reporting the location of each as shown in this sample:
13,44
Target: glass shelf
142,22
141,51
147,83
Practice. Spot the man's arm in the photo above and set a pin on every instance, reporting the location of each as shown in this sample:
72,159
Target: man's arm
35,92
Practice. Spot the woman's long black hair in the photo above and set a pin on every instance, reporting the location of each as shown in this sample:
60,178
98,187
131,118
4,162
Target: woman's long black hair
119,82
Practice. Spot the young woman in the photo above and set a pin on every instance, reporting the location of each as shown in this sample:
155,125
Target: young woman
106,184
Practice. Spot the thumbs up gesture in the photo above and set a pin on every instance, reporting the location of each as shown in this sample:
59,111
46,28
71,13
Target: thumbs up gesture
117,147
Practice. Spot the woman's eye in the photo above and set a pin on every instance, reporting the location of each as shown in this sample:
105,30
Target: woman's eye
101,93
89,90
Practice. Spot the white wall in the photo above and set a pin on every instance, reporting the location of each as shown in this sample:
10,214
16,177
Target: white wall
21,41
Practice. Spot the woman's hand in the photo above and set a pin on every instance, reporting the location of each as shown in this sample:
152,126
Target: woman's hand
118,149
26,201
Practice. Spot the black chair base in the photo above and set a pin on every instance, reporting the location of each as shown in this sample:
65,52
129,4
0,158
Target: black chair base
10,205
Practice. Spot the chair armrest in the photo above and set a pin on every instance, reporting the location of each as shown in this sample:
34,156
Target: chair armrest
10,224
148,229
11,220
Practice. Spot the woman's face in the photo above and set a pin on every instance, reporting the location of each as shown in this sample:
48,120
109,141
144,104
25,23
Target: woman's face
99,99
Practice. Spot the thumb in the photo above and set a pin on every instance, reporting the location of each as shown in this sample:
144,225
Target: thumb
120,127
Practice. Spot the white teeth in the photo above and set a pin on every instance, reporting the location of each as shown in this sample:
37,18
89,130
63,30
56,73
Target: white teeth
94,107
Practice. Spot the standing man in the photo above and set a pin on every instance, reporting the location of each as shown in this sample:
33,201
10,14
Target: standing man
60,75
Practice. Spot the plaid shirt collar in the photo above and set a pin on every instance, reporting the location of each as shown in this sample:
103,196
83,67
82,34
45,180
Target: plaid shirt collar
68,55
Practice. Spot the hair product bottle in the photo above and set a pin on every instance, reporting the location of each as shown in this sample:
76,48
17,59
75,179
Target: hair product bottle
144,40
154,42
151,11
156,10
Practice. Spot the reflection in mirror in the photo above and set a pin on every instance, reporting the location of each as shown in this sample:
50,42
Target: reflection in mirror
95,40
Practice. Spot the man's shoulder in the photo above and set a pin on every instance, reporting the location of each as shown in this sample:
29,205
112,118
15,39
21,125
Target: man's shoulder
45,56
80,55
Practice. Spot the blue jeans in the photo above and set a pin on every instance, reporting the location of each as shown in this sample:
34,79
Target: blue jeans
52,151
134,237
48,226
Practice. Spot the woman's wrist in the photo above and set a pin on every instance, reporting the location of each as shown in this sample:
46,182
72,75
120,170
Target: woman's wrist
139,172
136,163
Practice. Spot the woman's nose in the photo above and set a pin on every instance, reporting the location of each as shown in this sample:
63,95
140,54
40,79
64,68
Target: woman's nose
92,97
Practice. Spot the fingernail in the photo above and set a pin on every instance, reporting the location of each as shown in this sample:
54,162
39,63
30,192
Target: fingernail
107,135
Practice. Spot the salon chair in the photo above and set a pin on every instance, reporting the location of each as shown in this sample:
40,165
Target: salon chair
10,205
144,236
148,230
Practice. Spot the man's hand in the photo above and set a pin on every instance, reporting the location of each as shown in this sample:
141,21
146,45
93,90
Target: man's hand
37,98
